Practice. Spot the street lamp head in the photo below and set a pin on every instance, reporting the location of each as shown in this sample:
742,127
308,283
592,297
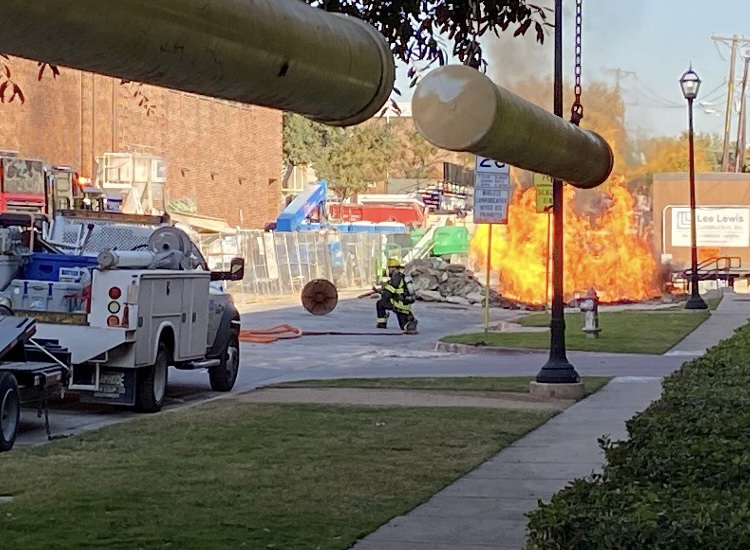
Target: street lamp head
690,84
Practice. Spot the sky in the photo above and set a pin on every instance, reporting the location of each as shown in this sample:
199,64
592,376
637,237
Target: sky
655,39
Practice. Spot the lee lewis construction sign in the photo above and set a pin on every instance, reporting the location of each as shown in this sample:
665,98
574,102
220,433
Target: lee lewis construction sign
719,227
491,191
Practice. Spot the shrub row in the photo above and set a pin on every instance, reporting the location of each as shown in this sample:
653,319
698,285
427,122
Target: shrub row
682,479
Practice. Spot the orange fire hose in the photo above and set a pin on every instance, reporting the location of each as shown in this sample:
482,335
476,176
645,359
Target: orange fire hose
288,332
269,335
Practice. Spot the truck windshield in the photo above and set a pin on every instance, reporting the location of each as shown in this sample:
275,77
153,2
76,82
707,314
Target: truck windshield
23,176
198,256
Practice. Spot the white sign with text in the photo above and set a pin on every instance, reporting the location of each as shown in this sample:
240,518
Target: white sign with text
491,191
715,227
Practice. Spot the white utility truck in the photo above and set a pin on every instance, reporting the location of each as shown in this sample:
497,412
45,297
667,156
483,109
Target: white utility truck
125,316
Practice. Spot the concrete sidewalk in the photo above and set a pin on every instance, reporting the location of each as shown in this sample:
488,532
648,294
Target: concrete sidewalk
485,509
733,312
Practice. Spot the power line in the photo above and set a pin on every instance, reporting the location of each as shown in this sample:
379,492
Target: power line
719,88
641,90
619,74
716,45
655,96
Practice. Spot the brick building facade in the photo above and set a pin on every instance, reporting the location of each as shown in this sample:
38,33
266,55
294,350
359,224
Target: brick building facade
224,157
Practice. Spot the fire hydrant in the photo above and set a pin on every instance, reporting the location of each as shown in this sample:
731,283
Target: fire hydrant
590,307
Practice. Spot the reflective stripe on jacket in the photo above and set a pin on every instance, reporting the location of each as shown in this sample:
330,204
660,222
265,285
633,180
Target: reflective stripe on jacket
396,285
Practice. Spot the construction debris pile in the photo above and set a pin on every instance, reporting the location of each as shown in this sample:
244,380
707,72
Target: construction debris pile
438,281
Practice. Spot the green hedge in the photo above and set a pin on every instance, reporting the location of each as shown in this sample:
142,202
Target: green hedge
682,479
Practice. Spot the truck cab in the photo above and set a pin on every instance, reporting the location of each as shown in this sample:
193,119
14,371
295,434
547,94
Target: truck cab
67,190
23,185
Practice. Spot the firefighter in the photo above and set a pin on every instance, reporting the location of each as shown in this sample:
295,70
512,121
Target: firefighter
397,295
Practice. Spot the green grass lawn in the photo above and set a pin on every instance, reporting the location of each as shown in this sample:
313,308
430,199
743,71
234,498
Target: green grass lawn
233,475
648,332
713,302
518,384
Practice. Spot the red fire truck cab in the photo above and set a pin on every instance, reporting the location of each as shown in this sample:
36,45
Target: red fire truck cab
23,185
28,185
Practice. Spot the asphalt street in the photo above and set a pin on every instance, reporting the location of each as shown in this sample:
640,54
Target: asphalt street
377,354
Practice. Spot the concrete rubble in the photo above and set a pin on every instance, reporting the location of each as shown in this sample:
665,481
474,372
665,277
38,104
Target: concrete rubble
438,281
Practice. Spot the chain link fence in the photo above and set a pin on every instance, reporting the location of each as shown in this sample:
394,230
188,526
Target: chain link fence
280,264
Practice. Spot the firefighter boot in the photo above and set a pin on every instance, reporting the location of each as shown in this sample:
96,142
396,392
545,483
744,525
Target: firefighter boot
382,313
411,327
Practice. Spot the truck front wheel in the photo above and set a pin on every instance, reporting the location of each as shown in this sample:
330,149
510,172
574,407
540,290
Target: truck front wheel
151,389
223,376
10,411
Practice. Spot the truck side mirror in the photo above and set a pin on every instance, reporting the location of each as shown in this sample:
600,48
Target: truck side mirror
236,271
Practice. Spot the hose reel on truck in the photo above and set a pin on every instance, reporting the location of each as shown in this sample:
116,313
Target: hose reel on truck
167,248
168,239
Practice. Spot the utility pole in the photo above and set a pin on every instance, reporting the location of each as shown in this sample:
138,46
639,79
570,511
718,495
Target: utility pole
739,158
619,74
734,42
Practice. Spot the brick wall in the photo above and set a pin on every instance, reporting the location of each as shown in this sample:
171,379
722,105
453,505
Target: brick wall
78,116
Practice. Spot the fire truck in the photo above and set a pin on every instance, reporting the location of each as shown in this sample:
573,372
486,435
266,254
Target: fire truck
30,185
23,185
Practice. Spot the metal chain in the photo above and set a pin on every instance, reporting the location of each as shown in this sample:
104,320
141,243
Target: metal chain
43,411
576,112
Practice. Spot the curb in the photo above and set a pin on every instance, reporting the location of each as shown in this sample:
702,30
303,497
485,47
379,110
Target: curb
484,350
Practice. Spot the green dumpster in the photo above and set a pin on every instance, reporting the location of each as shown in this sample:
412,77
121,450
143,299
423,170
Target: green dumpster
450,240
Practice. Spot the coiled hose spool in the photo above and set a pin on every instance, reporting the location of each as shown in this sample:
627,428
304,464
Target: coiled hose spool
168,239
320,297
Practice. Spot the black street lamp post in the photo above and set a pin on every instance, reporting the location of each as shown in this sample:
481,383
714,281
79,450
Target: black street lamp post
557,370
690,84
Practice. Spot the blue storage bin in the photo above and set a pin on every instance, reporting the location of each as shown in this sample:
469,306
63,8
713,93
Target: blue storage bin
45,266
391,228
363,227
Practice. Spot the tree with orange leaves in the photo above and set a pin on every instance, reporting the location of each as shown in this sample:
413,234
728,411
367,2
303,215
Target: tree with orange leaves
669,154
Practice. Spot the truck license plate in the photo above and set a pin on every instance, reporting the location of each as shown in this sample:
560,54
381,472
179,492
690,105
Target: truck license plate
110,389
116,386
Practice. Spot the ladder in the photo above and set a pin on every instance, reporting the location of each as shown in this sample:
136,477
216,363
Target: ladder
423,248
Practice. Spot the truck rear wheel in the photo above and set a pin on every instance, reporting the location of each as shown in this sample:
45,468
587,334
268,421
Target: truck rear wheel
224,376
151,388
10,411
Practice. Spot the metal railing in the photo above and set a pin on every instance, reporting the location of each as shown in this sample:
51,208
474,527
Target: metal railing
722,268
